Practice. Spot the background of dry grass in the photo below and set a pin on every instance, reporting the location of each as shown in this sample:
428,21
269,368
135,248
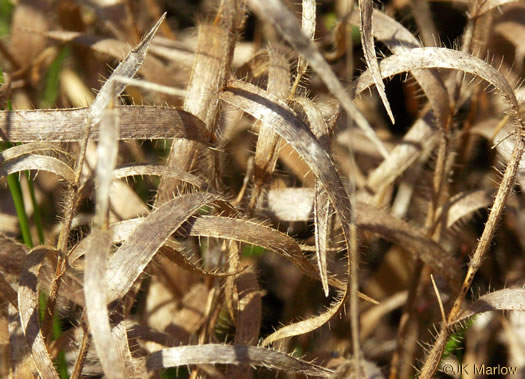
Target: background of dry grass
219,190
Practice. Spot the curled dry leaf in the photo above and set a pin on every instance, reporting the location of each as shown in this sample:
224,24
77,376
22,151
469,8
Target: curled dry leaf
367,40
130,260
65,125
28,310
27,149
434,57
232,355
127,68
38,163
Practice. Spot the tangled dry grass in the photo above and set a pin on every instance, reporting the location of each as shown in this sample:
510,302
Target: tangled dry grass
321,190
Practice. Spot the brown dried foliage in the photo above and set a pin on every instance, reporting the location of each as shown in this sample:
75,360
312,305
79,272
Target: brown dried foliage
148,261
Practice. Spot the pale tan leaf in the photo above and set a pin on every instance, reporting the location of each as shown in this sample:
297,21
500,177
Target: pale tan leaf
65,125
127,68
158,170
29,18
421,136
107,150
136,252
434,57
308,22
112,47
252,233
20,360
207,77
27,149
95,287
208,73
367,41
135,368
236,354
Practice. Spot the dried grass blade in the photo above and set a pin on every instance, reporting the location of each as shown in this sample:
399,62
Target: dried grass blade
65,125
127,68
95,287
28,149
323,210
367,40
171,250
207,74
107,150
236,354
112,47
509,299
38,163
264,107
274,12
28,311
464,204
136,252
